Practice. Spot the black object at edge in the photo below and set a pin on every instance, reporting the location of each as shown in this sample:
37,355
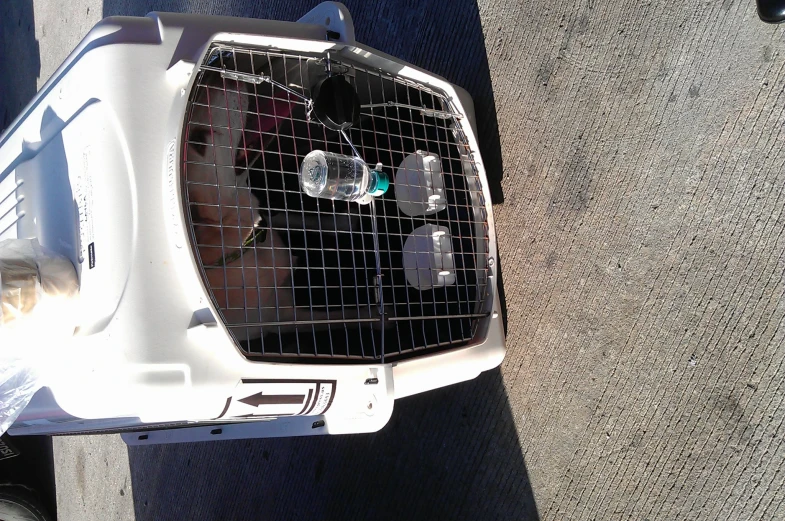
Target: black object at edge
336,104
771,11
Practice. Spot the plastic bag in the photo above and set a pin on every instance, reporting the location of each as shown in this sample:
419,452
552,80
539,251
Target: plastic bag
18,383
36,311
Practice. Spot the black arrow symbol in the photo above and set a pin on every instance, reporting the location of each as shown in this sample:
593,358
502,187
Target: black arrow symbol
255,400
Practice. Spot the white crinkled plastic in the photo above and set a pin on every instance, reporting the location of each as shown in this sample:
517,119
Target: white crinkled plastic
37,288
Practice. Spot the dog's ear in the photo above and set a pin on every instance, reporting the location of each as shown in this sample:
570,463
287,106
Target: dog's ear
264,117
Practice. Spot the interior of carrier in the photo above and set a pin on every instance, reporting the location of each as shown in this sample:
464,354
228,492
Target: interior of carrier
330,244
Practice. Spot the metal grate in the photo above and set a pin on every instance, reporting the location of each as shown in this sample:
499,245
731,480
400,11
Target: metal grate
295,277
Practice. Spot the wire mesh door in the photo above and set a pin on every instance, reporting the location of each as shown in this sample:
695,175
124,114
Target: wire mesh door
294,277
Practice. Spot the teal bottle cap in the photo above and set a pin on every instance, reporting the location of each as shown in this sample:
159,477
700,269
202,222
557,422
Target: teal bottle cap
380,183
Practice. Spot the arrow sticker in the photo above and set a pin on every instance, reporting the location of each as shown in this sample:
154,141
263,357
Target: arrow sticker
266,398
255,400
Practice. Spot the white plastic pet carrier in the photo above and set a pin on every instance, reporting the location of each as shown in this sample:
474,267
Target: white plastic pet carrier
216,299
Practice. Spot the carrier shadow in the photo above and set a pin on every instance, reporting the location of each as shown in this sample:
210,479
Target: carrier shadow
20,65
448,454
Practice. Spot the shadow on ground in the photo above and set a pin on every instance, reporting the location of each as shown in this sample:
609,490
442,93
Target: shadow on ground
20,64
449,454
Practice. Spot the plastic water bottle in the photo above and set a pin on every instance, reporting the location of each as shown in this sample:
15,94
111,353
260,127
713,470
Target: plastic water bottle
345,178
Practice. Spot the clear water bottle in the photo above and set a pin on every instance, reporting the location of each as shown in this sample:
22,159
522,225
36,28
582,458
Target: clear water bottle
345,178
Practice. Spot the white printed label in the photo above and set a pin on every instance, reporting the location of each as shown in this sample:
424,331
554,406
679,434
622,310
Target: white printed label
84,202
171,194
